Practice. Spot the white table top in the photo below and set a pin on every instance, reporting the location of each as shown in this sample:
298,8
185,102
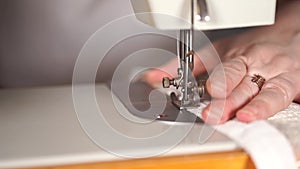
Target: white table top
39,127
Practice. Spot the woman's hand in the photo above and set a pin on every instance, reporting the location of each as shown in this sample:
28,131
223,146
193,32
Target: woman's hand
277,63
272,52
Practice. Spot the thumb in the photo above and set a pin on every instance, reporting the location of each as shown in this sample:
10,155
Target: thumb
154,76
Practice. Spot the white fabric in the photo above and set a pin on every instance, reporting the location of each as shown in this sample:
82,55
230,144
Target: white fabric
272,143
268,148
268,142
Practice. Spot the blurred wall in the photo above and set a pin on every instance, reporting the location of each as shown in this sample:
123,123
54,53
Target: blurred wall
41,39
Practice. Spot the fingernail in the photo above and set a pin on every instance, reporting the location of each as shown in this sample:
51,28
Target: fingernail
204,113
246,116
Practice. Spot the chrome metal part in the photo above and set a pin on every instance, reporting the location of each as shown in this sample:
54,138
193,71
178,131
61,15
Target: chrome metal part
202,11
201,88
167,82
190,92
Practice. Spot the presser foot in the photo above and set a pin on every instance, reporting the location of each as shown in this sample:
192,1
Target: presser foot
179,104
197,94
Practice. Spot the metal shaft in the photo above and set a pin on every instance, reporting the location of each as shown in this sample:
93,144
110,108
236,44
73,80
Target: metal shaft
186,64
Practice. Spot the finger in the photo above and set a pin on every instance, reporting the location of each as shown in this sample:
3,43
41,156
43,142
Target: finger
206,60
170,70
154,76
276,95
225,78
241,95
199,67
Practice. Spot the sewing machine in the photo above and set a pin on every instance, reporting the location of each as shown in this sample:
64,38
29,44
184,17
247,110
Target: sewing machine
188,16
39,126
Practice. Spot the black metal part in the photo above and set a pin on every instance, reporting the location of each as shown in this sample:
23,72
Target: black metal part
175,101
139,104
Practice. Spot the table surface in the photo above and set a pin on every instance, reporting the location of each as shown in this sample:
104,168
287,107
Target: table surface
39,127
232,160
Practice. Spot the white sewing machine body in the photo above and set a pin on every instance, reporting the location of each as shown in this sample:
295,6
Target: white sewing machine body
189,15
222,13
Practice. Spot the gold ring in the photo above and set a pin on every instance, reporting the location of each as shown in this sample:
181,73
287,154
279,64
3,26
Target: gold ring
259,80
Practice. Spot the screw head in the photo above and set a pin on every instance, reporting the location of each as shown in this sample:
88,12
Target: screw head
166,82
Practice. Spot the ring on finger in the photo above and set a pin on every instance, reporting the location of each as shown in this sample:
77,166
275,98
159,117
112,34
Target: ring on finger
258,80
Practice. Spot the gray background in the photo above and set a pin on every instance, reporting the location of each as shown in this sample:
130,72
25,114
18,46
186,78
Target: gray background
41,39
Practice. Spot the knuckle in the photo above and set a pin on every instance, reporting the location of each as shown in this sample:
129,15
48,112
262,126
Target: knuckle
230,84
238,63
234,73
232,103
283,86
234,68
262,47
250,89
261,52
262,109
